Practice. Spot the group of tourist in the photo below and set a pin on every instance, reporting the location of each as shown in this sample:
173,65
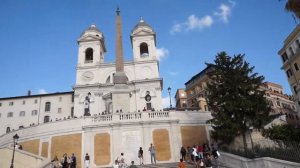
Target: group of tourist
201,156
65,162
120,161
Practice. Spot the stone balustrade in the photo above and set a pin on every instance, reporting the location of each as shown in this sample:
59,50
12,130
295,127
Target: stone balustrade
140,116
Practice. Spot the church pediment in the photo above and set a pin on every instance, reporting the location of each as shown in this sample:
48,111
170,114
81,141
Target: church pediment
142,32
88,38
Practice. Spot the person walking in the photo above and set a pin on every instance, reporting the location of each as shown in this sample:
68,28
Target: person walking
73,161
152,154
141,156
121,161
200,151
87,160
216,155
183,153
195,154
64,161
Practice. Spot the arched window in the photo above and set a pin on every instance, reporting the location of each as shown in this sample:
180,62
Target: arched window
144,50
22,113
7,129
108,79
47,106
46,119
88,55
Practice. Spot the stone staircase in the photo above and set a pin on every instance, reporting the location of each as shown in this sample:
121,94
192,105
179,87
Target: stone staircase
170,165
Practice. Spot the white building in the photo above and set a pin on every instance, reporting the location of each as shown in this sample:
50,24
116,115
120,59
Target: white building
114,108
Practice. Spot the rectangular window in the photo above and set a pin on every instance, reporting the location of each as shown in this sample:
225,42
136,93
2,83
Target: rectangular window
72,111
149,107
10,114
0,104
291,51
60,99
270,103
47,106
284,57
35,101
23,102
298,43
295,89
289,73
22,113
278,103
59,110
11,103
34,112
296,67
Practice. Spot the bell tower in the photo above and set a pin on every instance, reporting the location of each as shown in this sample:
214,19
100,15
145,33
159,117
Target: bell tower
143,41
91,47
91,52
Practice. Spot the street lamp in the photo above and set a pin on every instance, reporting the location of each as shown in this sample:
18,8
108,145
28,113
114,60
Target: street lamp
169,90
16,137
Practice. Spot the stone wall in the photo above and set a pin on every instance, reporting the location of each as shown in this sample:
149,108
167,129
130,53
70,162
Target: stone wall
234,161
22,159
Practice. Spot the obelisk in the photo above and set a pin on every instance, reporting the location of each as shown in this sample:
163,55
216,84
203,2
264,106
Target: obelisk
121,93
119,77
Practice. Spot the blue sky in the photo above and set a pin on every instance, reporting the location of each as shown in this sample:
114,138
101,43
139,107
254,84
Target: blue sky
38,47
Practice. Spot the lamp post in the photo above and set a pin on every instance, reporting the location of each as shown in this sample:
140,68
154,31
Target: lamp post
16,137
169,90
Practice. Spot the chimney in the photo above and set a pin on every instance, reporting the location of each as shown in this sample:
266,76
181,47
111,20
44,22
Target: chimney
29,93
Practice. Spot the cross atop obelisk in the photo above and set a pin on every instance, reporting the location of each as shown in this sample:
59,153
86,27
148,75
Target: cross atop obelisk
119,77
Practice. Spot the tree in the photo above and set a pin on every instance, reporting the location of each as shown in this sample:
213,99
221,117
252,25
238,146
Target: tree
235,98
293,6
283,134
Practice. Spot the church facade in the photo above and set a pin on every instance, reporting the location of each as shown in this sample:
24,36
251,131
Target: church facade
114,108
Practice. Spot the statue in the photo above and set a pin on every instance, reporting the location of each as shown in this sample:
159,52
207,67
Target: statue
87,105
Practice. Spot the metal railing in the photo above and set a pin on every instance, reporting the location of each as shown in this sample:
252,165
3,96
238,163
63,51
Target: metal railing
289,151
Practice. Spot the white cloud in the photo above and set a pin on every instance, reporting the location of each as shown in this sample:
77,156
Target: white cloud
161,53
166,102
194,22
176,28
225,11
42,91
198,23
172,73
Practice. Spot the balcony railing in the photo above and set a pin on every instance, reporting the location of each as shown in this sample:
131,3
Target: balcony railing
131,116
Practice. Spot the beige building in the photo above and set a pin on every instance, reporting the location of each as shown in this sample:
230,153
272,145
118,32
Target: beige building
181,99
280,102
290,56
196,90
